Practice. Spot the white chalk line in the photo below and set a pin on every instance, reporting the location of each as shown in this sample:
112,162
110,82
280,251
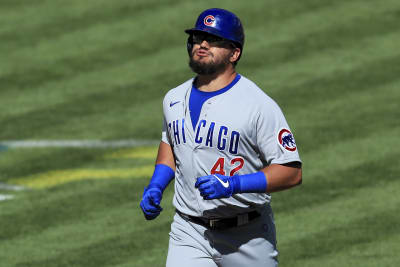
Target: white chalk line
11,187
76,143
15,144
6,197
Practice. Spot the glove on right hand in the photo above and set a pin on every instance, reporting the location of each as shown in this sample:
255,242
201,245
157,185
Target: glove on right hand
150,203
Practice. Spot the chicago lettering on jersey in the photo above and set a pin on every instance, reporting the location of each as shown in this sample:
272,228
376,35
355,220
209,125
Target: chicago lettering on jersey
206,134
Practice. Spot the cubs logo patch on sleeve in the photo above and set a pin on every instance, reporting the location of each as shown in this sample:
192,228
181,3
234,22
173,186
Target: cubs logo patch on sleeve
286,140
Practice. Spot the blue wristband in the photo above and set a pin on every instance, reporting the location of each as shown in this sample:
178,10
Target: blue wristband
250,183
162,176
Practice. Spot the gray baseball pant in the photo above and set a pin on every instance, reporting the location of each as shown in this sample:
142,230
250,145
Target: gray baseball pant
194,245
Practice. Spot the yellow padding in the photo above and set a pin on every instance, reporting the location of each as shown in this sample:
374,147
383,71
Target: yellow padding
53,178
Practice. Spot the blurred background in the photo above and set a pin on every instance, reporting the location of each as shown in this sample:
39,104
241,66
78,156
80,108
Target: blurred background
81,89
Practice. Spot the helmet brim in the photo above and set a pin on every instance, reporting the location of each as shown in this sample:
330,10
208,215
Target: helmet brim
213,32
205,30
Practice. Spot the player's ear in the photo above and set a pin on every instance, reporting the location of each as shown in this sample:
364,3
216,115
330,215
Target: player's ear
235,54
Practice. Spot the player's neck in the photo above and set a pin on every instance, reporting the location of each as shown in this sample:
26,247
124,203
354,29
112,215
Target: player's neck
211,83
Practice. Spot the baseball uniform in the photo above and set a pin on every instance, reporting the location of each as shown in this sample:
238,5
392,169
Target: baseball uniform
239,131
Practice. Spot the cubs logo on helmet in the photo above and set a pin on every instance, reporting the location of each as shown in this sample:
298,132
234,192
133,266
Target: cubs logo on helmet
209,20
286,140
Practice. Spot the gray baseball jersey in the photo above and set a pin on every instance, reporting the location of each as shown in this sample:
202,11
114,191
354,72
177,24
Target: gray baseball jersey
239,131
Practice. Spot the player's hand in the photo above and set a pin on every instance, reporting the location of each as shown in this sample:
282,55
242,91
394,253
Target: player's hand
150,203
215,186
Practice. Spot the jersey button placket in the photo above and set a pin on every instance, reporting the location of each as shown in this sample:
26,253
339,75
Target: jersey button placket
207,108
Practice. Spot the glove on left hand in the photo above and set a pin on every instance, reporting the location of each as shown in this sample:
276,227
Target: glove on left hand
216,186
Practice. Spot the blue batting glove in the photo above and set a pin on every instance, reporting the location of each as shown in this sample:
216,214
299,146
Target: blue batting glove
216,186
150,203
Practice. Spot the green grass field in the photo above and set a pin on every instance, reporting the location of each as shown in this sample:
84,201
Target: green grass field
98,70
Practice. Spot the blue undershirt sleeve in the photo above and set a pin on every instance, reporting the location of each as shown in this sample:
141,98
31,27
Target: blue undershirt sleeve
250,183
162,176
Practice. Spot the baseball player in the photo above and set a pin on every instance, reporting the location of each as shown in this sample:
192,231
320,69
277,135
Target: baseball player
228,146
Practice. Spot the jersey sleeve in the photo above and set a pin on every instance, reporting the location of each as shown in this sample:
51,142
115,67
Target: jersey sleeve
164,134
275,140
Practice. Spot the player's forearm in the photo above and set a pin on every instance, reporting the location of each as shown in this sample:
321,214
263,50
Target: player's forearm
165,155
273,178
281,177
270,179
164,171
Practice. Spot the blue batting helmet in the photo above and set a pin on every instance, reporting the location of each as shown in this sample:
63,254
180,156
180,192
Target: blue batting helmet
219,22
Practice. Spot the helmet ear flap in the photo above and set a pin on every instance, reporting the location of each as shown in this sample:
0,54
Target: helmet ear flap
189,44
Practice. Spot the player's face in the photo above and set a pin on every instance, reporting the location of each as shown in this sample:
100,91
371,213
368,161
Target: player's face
210,54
